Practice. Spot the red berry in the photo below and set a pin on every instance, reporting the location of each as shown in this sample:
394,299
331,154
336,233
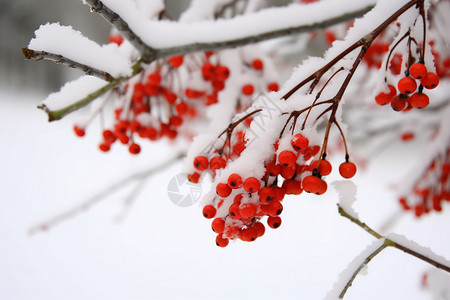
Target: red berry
273,87
109,136
176,61
311,184
280,192
384,98
251,185
222,72
220,241
260,229
209,211
324,167
201,163
274,222
234,181
430,81
347,169
247,210
134,148
218,225
193,177
419,100
248,89
257,64
292,187
287,158
418,70
266,194
248,234
181,108
104,147
274,208
234,211
323,187
299,142
154,78
238,198
398,103
223,190
217,162
79,131
288,172
407,85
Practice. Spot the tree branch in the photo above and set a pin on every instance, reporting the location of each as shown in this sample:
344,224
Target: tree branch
387,242
148,54
166,52
89,203
54,115
59,59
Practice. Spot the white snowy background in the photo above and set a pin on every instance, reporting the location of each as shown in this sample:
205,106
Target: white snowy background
162,251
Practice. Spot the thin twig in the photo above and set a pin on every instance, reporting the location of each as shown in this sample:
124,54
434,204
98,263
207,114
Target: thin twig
360,267
89,203
59,59
387,242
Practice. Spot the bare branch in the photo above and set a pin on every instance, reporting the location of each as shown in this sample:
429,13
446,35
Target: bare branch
59,59
148,54
89,203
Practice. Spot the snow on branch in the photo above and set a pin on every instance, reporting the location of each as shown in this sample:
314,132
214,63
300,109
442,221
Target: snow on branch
58,104
169,38
65,45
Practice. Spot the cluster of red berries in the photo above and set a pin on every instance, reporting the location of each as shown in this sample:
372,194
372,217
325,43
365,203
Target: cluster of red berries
410,93
242,202
432,190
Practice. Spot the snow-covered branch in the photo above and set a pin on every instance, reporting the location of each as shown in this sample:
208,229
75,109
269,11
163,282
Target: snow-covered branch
393,240
59,59
166,38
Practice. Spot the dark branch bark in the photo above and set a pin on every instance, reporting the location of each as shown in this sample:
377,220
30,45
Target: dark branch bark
59,59
147,53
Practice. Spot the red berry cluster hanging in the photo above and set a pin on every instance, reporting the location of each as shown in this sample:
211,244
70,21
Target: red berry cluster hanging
432,190
410,89
241,203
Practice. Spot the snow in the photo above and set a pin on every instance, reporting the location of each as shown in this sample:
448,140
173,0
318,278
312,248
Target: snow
73,92
65,41
347,196
167,34
162,251
347,274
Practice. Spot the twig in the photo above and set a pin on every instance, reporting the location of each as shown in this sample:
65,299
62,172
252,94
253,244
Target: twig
54,115
148,54
387,242
360,267
89,203
59,59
